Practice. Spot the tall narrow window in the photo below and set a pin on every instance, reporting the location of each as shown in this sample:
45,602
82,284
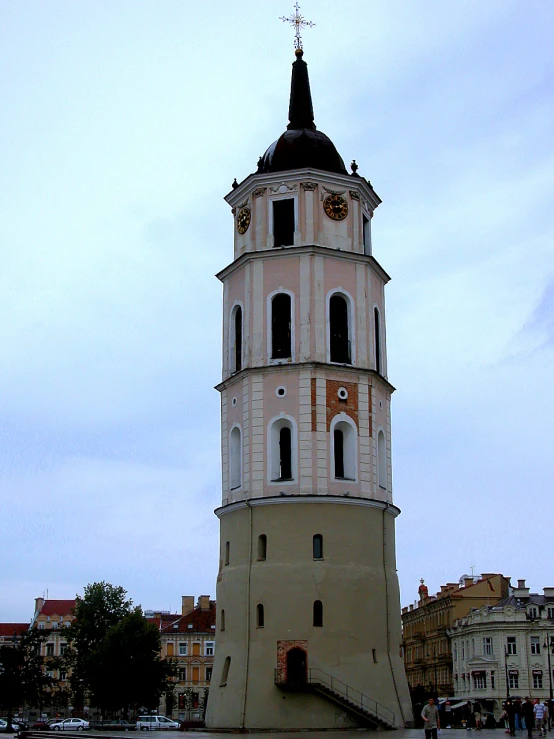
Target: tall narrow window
260,616
227,552
366,225
262,546
285,454
235,458
318,546
283,222
281,326
222,620
237,339
381,460
339,453
225,672
318,613
338,326
377,322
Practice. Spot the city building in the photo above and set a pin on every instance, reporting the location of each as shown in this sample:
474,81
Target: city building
53,616
10,632
505,649
426,643
190,639
308,614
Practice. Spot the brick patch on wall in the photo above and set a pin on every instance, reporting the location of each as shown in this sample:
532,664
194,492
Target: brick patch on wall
335,405
313,388
283,648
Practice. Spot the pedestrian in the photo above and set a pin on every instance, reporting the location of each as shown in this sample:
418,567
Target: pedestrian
510,708
547,715
430,716
528,713
477,716
539,718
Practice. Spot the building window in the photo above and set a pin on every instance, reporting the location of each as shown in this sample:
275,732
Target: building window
227,552
209,652
262,547
235,458
183,674
366,234
535,645
283,222
225,672
513,681
344,448
537,680
50,674
41,624
550,612
533,613
49,650
183,649
222,620
480,681
54,624
281,326
260,619
318,613
339,339
282,450
493,680
318,546
377,326
63,675
208,674
236,339
487,645
511,645
63,647
381,460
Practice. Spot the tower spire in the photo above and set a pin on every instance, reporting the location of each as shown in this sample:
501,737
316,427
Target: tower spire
301,112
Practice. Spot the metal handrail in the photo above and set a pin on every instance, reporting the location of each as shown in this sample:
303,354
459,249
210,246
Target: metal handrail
317,676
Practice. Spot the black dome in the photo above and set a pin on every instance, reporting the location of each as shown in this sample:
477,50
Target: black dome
298,148
301,145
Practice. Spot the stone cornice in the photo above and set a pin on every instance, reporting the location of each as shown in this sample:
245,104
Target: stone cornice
311,499
315,249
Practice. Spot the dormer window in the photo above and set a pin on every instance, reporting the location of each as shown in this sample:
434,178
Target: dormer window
283,222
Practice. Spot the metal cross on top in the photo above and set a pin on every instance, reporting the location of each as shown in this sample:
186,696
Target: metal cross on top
299,22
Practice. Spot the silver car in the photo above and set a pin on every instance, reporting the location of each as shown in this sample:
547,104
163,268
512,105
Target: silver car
69,724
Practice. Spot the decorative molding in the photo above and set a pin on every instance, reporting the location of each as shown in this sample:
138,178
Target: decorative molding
258,192
234,211
243,205
308,185
283,188
329,499
354,194
331,192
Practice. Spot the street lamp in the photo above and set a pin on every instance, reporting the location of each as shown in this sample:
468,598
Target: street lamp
549,645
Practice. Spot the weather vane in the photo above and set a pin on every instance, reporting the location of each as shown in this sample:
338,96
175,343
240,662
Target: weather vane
299,22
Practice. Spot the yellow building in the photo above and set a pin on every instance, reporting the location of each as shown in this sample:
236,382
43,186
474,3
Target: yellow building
427,648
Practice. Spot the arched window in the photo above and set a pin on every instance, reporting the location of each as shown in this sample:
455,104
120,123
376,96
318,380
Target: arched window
235,458
366,226
344,448
262,546
281,326
260,616
225,672
236,342
318,546
340,344
318,613
381,460
282,450
227,552
377,324
283,222
222,620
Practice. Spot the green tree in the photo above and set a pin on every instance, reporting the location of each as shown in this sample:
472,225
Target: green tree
22,678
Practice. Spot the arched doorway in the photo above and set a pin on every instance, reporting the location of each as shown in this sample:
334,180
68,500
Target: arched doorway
296,667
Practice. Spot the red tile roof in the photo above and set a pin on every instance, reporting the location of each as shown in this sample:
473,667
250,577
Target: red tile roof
57,608
202,621
6,630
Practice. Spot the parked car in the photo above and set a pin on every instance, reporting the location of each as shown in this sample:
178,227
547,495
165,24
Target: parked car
151,723
4,725
43,724
69,724
113,724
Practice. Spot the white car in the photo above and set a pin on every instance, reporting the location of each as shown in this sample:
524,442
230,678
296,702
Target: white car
69,724
151,723
4,725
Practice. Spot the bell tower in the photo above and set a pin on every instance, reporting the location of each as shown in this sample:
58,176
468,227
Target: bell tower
308,613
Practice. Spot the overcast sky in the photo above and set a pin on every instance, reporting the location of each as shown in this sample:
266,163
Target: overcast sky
122,126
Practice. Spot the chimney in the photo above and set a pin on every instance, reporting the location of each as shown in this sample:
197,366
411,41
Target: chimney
549,593
204,602
521,591
187,604
468,581
520,584
39,602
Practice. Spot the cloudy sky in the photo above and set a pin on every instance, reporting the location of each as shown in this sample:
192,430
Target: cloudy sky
122,126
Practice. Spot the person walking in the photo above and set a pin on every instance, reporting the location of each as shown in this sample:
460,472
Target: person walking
430,716
528,713
539,718
510,708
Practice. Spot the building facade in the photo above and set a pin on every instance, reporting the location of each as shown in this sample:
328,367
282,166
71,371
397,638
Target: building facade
505,649
426,640
307,592
53,616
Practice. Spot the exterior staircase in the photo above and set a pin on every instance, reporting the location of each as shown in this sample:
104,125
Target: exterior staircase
373,713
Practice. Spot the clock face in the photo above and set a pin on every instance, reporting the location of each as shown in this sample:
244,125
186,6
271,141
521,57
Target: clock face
243,220
336,207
